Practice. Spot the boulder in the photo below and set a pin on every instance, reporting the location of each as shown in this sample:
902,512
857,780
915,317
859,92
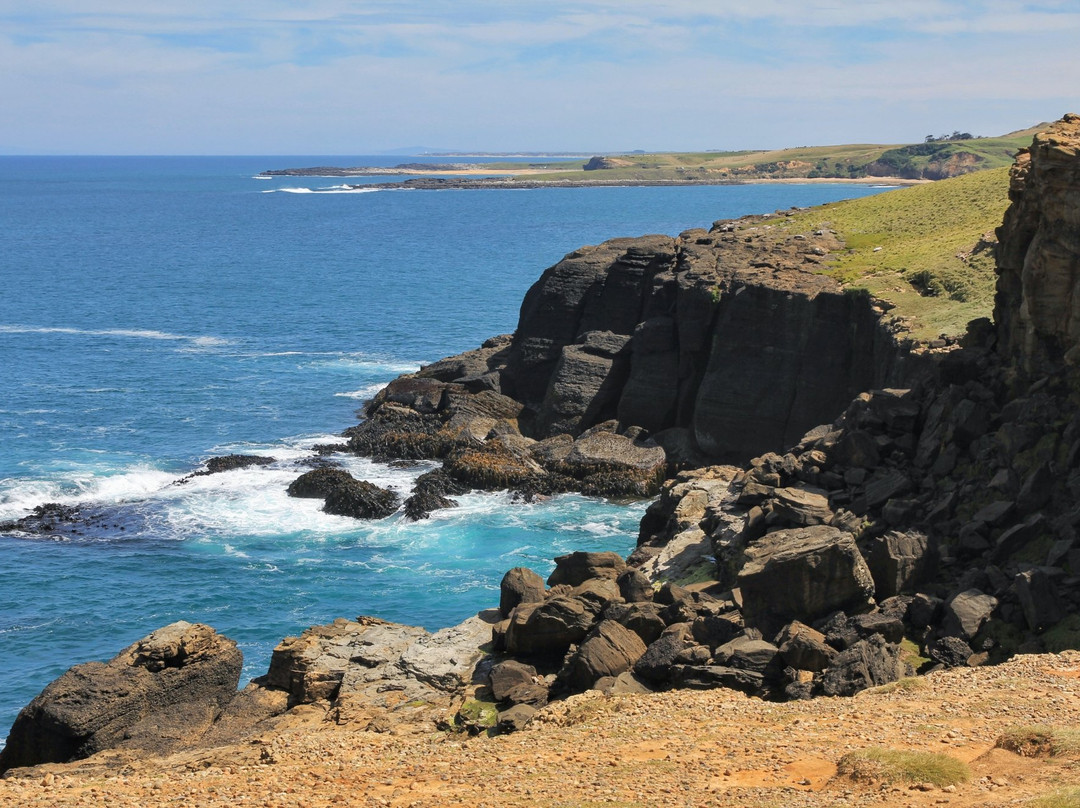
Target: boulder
318,483
868,663
952,652
515,718
548,628
802,574
578,567
361,500
655,665
634,586
509,675
708,677
215,465
898,561
519,585
642,618
714,630
432,492
749,654
159,695
609,650
800,507
1039,598
966,612
803,648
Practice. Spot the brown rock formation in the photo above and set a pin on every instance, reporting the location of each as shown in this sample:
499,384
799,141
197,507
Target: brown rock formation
1038,299
161,694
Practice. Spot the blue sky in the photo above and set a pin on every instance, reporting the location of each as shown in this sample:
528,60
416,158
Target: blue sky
348,77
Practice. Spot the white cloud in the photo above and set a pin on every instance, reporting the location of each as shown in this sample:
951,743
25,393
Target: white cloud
332,76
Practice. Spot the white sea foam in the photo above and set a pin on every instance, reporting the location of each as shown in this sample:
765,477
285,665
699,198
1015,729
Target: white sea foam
136,333
19,496
363,393
335,189
370,363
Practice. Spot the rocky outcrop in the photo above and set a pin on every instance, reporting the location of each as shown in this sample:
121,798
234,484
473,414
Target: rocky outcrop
368,668
159,695
1037,318
638,357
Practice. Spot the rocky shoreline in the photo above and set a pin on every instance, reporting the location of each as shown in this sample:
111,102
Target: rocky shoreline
792,552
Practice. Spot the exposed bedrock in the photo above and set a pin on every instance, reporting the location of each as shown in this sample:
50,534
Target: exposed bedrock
641,356
729,334
1038,294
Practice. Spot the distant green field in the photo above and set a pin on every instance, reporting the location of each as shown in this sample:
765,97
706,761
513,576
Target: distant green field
926,249
935,160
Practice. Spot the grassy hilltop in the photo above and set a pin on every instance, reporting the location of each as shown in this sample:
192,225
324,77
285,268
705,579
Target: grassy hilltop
935,160
927,249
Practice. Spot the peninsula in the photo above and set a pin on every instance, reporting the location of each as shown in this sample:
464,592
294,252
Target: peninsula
937,158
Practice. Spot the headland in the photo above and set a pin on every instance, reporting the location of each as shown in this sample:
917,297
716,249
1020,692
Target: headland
842,504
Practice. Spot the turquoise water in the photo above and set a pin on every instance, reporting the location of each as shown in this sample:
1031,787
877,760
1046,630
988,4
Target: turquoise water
159,311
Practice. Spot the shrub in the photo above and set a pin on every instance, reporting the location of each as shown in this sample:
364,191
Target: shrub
895,766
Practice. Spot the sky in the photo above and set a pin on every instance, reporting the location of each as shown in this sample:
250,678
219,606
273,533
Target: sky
352,77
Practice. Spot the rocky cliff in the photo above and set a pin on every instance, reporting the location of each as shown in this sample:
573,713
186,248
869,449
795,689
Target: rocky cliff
1038,299
642,355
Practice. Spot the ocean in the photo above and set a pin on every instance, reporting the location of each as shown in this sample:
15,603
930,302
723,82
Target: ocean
158,311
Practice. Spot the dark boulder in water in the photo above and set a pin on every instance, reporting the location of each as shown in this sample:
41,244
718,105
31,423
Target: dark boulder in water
431,493
216,465
318,483
361,500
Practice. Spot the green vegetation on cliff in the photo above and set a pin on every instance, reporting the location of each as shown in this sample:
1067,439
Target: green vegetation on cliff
928,250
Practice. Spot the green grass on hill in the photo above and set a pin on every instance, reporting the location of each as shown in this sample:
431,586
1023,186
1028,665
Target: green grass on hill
920,248
934,160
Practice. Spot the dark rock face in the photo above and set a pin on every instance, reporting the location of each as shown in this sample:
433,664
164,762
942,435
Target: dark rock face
638,355
868,663
361,500
344,495
432,492
160,694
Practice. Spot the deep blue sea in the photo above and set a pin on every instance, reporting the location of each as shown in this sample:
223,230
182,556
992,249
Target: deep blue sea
158,311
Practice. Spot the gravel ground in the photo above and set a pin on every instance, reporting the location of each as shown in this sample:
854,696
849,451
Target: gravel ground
713,748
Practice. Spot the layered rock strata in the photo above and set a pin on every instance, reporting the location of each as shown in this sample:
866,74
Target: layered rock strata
639,356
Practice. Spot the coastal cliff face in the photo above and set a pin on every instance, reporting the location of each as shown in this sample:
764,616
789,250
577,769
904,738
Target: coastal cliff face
730,335
1038,295
725,343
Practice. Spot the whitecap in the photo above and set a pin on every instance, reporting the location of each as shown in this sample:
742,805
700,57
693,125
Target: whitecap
136,333
363,393
19,496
